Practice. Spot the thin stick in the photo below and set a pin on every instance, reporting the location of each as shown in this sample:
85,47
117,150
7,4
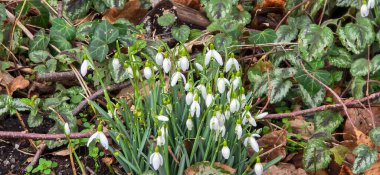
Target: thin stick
37,155
367,90
38,136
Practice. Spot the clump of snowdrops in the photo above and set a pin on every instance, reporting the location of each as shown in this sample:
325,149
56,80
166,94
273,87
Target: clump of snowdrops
182,111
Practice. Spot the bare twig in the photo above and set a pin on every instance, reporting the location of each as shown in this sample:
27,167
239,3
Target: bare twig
38,136
350,104
367,82
289,12
56,76
37,155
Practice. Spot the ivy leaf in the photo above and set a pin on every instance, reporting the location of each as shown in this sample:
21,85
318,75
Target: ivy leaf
365,158
166,19
374,134
347,3
38,56
266,36
222,40
3,14
216,9
34,119
286,33
98,49
357,87
260,86
279,90
85,30
356,37
41,20
314,41
40,41
181,33
375,64
339,152
310,84
312,100
327,121
61,28
359,67
77,9
106,32
316,155
284,72
340,57
114,3
60,42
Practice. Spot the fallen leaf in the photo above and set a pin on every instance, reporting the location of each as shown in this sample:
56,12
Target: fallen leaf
64,152
204,167
274,142
361,138
18,83
108,160
284,169
5,78
132,11
195,4
302,127
345,170
374,169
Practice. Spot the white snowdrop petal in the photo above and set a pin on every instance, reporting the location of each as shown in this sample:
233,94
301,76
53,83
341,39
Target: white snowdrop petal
84,67
228,65
262,115
189,98
163,118
236,63
159,58
116,64
208,57
167,65
67,129
93,136
239,131
156,161
259,169
221,85
147,72
189,124
184,63
103,140
225,152
175,78
364,10
371,4
199,66
209,99
254,144
217,57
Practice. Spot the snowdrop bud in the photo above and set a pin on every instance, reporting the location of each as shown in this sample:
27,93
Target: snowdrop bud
188,85
234,105
195,108
67,129
203,90
162,118
167,64
371,4
159,57
199,66
227,112
189,124
84,67
262,115
116,64
209,97
147,72
259,168
156,159
364,10
184,63
225,150
251,141
214,123
189,98
238,129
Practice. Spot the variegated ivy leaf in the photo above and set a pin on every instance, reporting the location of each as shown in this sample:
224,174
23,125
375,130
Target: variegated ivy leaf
85,30
347,3
98,49
279,89
327,121
356,36
314,41
115,3
3,14
340,57
77,9
218,9
266,36
360,67
357,87
106,32
365,158
62,29
284,72
181,33
38,56
375,64
316,155
310,84
312,100
40,41
260,86
374,134
286,33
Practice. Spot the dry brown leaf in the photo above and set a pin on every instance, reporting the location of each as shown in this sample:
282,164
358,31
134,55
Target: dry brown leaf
5,78
225,167
64,152
108,160
132,11
374,169
345,170
284,169
273,140
361,138
18,83
195,4
302,127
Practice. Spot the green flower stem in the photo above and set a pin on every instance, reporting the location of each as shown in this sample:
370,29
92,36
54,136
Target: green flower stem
197,136
216,152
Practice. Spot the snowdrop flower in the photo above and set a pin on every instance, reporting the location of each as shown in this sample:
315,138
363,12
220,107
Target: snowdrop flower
209,96
238,129
99,135
195,108
221,83
162,118
156,159
214,123
160,138
251,141
147,71
203,90
176,76
212,53
364,10
227,112
225,150
189,97
116,64
199,66
232,62
236,81
67,129
159,57
371,4
84,67
128,70
234,105
247,117
222,130
189,124
164,131
243,98
262,115
184,63
167,64
259,168
188,85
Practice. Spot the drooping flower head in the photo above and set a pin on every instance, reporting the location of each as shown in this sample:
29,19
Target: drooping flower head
99,136
364,10
156,159
225,150
232,63
159,57
212,53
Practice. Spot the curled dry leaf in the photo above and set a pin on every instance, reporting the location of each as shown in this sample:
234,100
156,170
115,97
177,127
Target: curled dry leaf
108,160
345,170
284,169
205,168
274,143
18,83
361,138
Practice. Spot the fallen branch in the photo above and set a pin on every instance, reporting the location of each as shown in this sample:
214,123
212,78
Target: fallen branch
38,136
351,104
99,93
56,76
